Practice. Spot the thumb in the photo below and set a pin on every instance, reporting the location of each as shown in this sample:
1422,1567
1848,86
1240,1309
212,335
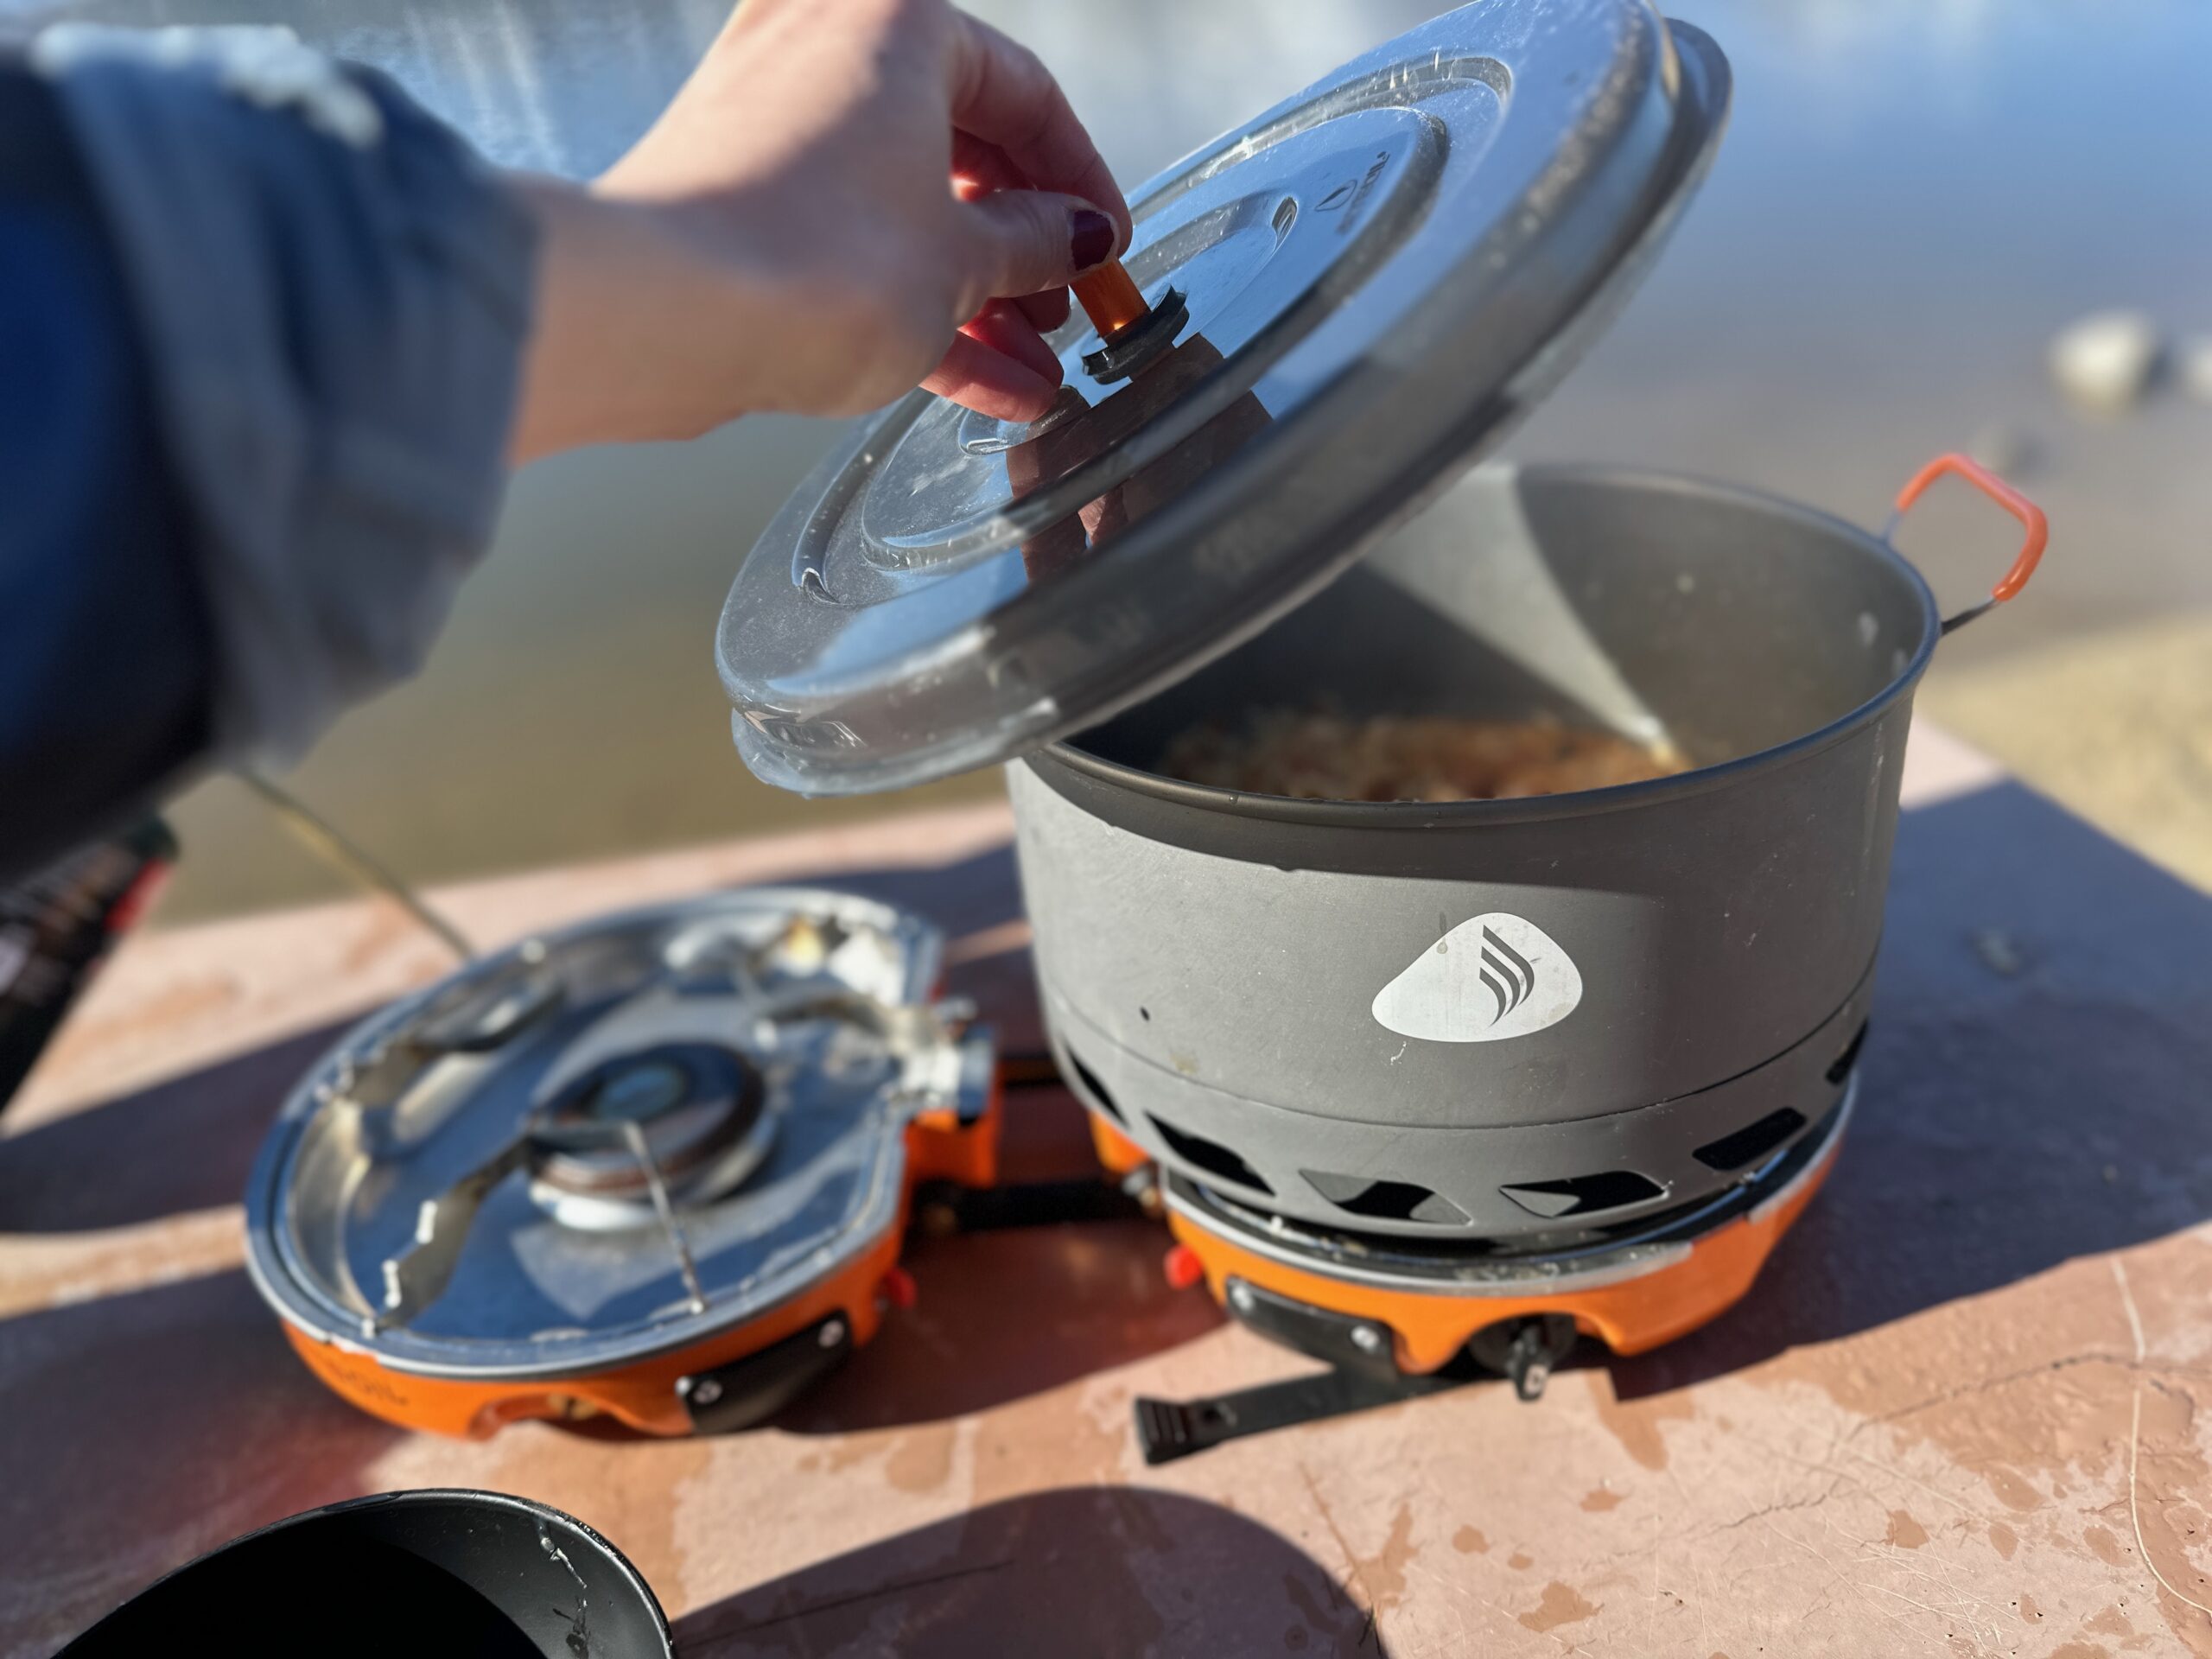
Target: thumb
1031,241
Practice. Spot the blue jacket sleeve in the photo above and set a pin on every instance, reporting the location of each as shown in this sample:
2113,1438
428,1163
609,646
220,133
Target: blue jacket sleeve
289,338
106,652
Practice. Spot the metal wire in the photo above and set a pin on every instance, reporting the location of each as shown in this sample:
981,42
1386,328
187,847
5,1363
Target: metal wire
641,1149
324,839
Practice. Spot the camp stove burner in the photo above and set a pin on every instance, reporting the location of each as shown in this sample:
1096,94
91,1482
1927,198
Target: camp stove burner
620,1169
1394,1319
1564,1261
699,1109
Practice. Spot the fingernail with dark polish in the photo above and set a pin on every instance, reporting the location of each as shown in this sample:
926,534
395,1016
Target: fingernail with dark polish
1090,237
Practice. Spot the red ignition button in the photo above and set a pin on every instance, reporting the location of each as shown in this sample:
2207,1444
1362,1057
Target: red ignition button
1182,1268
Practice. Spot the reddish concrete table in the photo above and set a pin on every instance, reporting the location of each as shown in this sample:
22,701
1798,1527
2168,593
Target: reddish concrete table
1963,1413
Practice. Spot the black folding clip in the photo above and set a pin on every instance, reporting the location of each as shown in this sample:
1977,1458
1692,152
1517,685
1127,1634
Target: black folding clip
1362,1357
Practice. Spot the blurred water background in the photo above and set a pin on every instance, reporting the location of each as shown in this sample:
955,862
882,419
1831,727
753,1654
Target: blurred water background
1914,195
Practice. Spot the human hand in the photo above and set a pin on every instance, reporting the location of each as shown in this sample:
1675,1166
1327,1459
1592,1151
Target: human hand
848,198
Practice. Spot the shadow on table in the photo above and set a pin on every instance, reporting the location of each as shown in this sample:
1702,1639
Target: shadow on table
1082,1573
186,1143
1003,1316
144,1428
2035,1086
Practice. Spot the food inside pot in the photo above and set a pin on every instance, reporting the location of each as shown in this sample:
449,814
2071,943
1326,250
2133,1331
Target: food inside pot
1335,757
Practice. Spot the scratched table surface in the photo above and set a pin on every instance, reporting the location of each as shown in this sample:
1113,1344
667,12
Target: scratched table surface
1966,1410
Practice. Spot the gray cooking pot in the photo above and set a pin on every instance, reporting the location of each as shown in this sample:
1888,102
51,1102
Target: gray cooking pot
1510,1020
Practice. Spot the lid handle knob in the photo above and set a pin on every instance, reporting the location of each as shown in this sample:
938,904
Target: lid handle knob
1110,298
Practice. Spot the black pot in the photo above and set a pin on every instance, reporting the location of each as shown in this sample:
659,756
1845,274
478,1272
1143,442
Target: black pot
416,1573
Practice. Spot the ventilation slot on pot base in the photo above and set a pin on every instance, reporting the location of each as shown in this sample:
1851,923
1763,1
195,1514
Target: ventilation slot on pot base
1842,1068
1212,1157
1094,1089
1386,1200
1585,1195
1752,1142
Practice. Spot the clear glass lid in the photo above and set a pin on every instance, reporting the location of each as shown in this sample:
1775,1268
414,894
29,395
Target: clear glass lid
1375,278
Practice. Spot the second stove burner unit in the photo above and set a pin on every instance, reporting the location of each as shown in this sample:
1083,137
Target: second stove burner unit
613,1172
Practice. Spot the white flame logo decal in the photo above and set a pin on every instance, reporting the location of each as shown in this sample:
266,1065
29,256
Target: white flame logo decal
1492,977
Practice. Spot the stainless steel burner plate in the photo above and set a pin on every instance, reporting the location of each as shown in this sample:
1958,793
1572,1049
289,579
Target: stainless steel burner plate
496,1115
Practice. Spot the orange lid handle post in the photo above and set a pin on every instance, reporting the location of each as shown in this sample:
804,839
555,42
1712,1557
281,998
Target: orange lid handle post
2030,515
1110,298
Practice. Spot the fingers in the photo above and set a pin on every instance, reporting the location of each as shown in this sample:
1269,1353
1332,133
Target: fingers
978,168
1028,242
1045,311
1003,94
1003,327
990,381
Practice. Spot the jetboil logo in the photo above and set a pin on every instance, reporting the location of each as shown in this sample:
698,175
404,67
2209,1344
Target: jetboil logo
1495,976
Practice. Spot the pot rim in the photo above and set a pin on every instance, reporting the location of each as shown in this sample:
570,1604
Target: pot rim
1420,815
413,1498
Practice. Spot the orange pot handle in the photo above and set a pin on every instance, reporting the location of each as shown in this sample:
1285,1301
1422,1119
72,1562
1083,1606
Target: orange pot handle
2030,515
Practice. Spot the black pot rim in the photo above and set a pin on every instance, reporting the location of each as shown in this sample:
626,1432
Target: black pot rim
1619,798
410,1497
